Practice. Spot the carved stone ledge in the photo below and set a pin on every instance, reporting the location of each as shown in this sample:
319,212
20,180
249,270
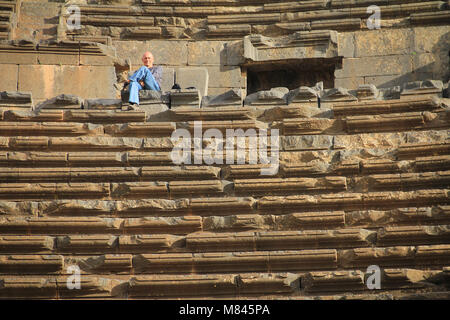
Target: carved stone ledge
427,87
300,45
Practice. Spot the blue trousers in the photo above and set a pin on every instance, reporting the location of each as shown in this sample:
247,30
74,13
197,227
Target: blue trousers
143,74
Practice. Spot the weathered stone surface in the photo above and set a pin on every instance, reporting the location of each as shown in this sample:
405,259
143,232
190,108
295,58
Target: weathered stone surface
170,225
26,244
389,256
102,116
144,129
321,44
388,106
312,126
196,77
274,185
48,128
301,111
412,235
134,50
401,216
28,286
367,92
311,220
30,264
306,142
9,83
62,101
46,81
222,206
229,98
147,243
102,104
429,87
18,99
58,225
186,285
235,261
185,97
107,263
133,190
334,281
302,94
274,96
52,190
86,244
28,115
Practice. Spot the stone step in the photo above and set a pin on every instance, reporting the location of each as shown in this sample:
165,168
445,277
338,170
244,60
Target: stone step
62,226
279,240
155,286
352,201
48,129
411,151
362,208
254,261
108,174
413,235
386,107
54,287
305,285
355,280
214,114
90,116
397,122
406,181
54,190
406,256
130,208
212,285
289,185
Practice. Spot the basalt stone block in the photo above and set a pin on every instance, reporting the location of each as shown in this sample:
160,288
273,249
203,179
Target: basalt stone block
338,94
302,94
367,92
15,99
102,104
62,101
196,77
274,96
433,87
185,97
232,97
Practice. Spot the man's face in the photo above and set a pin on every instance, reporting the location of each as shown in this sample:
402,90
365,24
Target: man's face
147,60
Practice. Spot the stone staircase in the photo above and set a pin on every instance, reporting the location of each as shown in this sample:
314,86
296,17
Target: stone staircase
361,182
7,18
234,19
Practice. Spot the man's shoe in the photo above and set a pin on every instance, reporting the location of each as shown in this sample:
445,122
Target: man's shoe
134,106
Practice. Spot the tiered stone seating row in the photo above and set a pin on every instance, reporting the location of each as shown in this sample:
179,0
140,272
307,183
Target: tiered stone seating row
235,19
97,189
7,9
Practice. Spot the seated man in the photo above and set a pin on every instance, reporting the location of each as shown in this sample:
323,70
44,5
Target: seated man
148,77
